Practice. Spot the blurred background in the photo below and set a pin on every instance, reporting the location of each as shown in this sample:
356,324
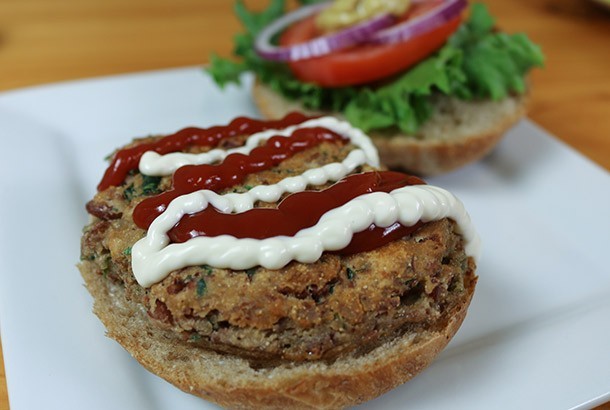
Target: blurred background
44,41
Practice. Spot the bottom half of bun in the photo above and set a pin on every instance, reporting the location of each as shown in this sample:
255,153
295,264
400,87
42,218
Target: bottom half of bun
232,382
458,133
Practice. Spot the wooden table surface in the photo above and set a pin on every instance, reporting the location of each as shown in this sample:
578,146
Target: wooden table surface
43,41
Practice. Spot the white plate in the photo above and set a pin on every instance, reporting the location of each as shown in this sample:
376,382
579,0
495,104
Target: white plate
537,334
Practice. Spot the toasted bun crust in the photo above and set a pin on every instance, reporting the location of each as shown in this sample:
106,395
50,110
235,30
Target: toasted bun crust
231,382
459,132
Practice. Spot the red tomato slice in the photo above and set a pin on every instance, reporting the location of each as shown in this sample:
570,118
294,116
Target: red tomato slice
368,63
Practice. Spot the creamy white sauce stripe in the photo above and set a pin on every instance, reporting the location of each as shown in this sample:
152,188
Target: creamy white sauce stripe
153,257
241,202
154,164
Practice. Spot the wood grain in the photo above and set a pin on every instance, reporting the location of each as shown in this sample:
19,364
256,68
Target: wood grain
44,41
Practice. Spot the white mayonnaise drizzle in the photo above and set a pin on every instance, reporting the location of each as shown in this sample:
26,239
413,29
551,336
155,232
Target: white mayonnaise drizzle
154,164
241,202
153,257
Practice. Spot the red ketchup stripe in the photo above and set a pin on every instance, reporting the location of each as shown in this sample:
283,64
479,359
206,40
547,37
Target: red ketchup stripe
234,169
128,159
299,211
375,237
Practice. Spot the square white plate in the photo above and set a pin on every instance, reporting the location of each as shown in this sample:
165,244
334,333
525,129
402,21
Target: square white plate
537,334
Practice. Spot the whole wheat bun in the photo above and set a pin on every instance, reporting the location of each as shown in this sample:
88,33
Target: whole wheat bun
230,382
458,133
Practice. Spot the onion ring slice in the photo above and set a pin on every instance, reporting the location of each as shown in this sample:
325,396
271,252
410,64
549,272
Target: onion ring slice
318,46
448,10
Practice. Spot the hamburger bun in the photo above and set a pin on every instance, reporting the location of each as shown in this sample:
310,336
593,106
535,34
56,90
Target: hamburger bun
336,331
458,133
231,382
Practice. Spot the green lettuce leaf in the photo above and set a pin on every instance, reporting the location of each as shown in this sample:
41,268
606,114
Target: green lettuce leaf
475,63
494,64
404,103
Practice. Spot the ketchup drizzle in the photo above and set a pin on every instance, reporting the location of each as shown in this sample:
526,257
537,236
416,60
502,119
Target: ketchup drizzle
375,237
296,212
128,159
299,211
234,169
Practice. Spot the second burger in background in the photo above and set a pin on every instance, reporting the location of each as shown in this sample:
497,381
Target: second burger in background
434,90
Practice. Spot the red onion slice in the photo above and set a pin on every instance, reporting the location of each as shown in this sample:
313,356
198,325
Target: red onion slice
446,11
319,46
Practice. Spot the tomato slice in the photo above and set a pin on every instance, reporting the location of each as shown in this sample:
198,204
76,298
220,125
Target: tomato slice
366,63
